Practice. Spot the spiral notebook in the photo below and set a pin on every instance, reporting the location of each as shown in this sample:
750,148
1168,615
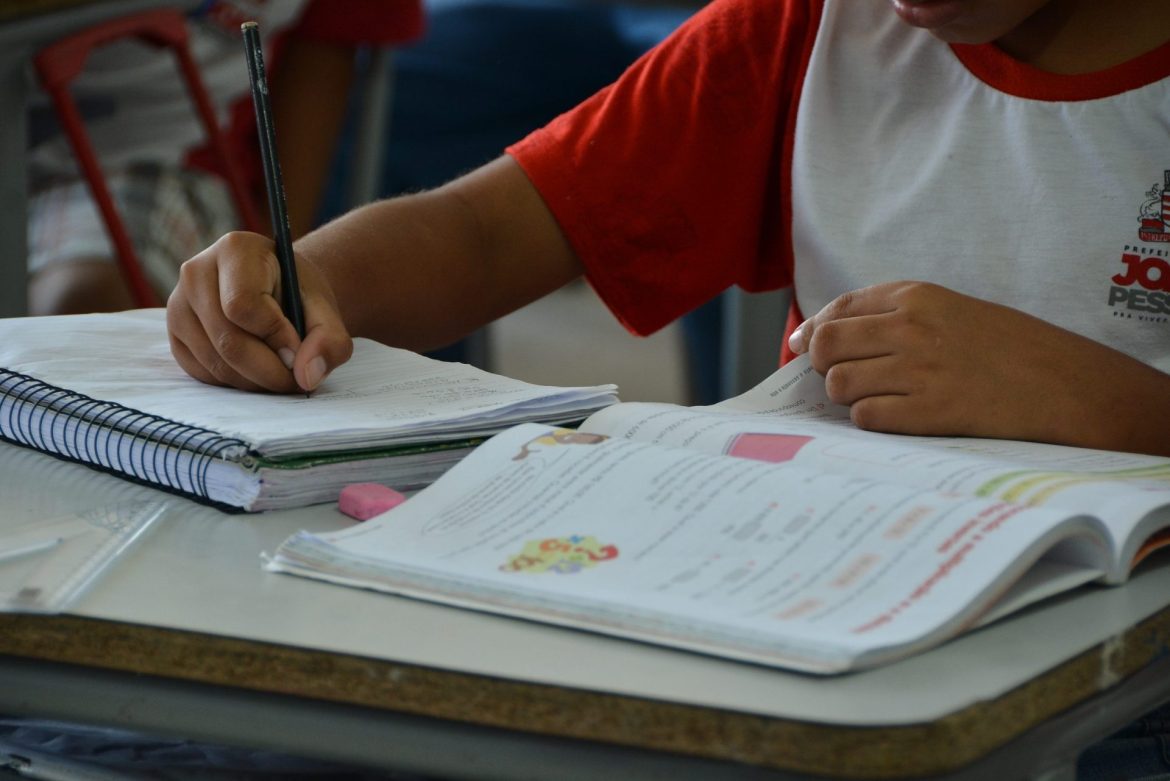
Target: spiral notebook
103,390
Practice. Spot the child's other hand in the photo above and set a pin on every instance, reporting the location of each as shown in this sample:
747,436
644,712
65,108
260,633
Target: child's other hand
226,326
917,358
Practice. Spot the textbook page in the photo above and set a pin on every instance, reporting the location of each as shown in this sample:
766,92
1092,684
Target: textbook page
788,418
763,562
381,397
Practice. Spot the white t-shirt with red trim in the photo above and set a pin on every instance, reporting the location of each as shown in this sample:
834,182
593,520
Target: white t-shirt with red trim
825,144
961,166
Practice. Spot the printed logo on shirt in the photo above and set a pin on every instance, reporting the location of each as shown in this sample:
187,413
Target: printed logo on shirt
1155,213
1141,287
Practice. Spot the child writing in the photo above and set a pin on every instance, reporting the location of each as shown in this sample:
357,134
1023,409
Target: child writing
953,188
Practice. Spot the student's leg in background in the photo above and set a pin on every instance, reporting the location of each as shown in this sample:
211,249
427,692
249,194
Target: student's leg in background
77,287
169,214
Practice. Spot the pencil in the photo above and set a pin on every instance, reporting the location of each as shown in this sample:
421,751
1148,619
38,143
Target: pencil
290,291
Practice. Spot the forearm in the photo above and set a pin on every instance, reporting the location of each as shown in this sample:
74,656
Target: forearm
422,271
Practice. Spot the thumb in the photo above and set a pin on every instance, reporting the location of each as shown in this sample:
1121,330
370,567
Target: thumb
327,345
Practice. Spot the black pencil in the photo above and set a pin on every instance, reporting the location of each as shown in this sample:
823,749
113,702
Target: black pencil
290,298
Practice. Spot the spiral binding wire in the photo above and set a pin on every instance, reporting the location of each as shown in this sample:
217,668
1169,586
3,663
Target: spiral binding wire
147,448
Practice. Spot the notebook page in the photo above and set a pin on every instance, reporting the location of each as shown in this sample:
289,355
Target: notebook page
383,396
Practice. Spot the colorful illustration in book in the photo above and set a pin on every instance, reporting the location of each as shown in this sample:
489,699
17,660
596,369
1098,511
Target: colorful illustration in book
559,436
1035,486
773,448
562,555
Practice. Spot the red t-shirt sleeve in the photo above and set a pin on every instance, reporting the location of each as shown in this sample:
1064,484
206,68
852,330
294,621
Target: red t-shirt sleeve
671,184
361,21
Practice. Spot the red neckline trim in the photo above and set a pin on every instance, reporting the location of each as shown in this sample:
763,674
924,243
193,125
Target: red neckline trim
994,67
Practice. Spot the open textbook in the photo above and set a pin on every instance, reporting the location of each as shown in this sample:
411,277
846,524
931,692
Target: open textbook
766,528
104,390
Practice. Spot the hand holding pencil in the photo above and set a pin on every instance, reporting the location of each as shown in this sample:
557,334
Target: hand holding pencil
225,327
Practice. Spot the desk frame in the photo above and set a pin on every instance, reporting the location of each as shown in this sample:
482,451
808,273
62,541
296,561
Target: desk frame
381,714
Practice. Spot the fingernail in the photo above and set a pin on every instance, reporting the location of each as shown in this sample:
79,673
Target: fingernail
796,340
315,372
286,357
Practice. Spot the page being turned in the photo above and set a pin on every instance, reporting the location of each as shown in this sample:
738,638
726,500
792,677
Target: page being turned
788,418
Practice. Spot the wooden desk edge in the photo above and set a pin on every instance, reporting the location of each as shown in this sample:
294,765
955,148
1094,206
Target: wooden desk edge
936,748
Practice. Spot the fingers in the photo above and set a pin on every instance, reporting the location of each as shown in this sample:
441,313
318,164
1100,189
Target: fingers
882,353
851,381
854,339
896,414
917,358
922,414
211,346
226,325
864,303
896,396
327,343
247,280
179,336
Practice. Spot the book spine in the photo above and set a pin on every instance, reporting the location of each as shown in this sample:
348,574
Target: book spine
111,437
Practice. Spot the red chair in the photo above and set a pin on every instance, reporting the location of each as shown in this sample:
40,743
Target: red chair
59,63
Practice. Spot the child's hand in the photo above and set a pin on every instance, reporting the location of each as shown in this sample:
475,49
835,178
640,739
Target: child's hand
227,328
916,358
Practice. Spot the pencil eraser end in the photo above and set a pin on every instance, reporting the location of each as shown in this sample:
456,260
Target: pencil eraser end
365,500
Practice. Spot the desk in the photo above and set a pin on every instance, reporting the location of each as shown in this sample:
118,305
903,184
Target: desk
188,636
25,26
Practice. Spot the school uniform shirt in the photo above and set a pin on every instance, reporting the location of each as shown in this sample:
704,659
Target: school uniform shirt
826,145
136,105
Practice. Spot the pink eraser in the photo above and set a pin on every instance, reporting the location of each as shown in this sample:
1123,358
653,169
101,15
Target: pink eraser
365,500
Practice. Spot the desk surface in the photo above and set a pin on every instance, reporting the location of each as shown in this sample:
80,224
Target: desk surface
190,606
